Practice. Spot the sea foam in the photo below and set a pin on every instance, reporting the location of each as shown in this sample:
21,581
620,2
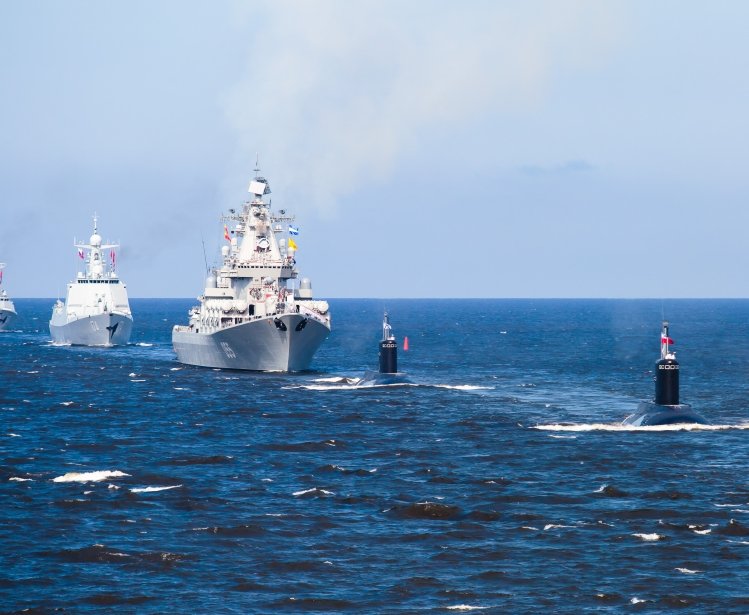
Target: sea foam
86,477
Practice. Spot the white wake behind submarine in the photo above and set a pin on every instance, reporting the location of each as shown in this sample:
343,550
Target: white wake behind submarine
665,409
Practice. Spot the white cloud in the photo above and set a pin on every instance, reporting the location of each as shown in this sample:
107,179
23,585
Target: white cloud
336,93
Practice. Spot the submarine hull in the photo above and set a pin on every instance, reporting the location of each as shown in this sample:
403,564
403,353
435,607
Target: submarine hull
379,379
649,414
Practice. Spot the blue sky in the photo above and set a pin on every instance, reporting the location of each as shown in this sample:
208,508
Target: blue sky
428,149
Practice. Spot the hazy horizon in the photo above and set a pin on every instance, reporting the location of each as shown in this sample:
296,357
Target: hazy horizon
433,149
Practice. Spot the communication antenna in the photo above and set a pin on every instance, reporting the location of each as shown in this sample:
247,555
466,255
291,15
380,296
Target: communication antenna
205,258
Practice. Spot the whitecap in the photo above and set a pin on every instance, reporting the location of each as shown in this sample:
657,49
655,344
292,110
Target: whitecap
132,375
465,607
175,369
138,380
20,480
66,403
313,490
553,435
554,526
636,600
462,387
687,571
144,344
13,435
529,527
85,477
649,537
330,379
153,489
36,371
620,427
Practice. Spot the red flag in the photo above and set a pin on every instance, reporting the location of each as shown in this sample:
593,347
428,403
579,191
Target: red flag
1,276
405,343
81,254
667,340
226,233
112,257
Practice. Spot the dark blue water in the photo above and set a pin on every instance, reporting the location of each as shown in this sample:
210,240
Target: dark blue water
182,489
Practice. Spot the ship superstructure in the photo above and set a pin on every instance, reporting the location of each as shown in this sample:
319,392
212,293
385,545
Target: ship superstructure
7,309
96,311
254,313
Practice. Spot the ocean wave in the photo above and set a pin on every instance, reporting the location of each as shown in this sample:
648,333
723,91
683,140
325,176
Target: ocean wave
144,344
351,385
314,492
556,526
687,571
611,491
425,510
153,489
465,607
336,468
236,531
462,387
20,480
649,537
581,427
197,460
88,477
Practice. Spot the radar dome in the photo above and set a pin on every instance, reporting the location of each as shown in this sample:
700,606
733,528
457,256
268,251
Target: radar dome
95,240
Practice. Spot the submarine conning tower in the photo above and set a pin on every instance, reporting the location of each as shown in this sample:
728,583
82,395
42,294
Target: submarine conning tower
666,373
388,349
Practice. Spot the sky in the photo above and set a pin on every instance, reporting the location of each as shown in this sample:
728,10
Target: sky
544,148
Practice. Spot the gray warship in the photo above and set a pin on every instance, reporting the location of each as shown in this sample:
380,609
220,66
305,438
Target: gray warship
96,310
253,315
7,309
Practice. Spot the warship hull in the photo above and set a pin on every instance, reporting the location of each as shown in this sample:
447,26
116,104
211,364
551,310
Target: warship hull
110,329
6,319
283,343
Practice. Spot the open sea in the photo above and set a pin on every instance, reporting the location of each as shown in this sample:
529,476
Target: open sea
499,480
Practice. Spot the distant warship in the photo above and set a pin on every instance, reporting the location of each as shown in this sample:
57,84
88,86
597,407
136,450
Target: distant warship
7,309
96,311
665,409
251,315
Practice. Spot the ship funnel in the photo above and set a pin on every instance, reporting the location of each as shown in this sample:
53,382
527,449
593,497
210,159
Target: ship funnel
666,373
388,349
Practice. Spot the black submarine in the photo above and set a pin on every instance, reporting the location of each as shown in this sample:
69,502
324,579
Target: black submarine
665,409
388,373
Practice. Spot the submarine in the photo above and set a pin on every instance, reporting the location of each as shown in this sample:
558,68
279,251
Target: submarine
388,373
665,409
